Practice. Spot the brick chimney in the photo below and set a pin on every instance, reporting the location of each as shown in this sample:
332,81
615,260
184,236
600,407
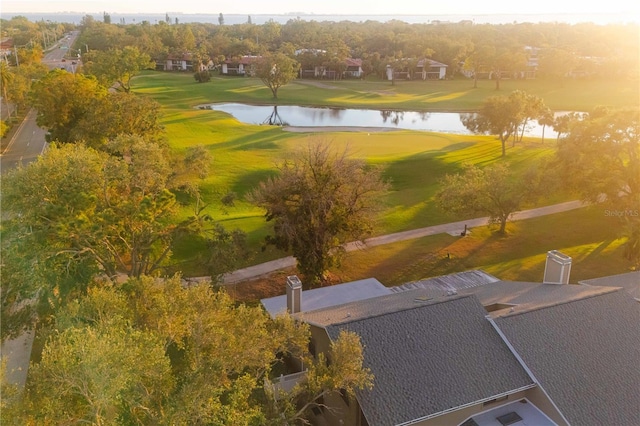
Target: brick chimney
557,268
294,294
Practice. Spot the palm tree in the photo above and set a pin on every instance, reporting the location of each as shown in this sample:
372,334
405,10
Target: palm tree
6,78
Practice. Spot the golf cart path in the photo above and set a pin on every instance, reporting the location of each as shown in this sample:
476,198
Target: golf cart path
453,227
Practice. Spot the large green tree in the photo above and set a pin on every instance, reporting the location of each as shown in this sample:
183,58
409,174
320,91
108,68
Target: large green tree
318,201
116,114
493,191
276,70
117,66
497,116
115,211
62,100
155,352
599,158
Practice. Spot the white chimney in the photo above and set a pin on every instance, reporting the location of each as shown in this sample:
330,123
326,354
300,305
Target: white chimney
294,294
557,268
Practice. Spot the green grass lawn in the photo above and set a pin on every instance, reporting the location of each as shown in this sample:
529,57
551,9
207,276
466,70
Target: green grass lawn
180,90
586,235
413,161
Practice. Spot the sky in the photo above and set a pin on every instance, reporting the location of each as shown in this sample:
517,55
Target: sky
629,8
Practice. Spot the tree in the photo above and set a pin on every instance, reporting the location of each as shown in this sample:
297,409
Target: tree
62,99
556,63
319,201
599,159
6,78
117,66
276,70
152,351
118,113
492,191
498,115
546,118
345,373
23,78
112,211
529,108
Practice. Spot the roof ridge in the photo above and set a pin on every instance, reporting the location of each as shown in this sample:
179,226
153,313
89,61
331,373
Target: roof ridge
605,290
430,302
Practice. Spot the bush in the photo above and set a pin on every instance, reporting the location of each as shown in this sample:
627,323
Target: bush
202,76
4,128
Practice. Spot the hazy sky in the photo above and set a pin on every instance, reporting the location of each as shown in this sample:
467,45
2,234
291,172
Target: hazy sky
349,7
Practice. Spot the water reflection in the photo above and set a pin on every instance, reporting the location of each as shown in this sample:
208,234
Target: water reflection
287,115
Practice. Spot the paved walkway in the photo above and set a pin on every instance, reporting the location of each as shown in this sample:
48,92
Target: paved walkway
454,227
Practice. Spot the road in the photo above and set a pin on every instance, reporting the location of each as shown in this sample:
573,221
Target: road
27,143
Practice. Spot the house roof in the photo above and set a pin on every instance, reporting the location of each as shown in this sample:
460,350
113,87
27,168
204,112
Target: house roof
630,282
353,62
585,354
451,282
429,357
323,297
430,63
524,296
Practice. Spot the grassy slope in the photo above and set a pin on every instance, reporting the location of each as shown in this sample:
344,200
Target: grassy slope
414,161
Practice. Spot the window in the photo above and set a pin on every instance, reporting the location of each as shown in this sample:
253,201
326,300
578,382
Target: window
509,418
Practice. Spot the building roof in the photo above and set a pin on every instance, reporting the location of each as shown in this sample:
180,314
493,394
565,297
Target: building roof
524,296
630,282
430,63
451,282
353,62
430,357
323,297
585,354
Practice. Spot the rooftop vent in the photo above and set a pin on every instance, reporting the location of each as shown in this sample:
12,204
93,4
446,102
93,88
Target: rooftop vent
294,294
557,268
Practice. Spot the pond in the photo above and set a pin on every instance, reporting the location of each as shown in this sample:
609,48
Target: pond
298,116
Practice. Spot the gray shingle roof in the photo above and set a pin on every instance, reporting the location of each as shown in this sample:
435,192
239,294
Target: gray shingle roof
528,296
429,357
323,297
629,281
586,356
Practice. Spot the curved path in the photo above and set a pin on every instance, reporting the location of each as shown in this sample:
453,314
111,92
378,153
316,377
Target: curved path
454,227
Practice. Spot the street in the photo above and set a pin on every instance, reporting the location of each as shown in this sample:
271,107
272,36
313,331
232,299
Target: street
29,140
26,145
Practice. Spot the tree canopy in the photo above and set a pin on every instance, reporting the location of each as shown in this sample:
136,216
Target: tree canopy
276,70
154,352
490,191
116,66
599,158
320,200
505,116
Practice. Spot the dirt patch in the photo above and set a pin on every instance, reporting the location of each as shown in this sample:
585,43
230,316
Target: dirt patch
251,291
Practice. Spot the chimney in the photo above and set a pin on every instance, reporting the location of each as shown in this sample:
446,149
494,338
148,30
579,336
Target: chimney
557,268
294,294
